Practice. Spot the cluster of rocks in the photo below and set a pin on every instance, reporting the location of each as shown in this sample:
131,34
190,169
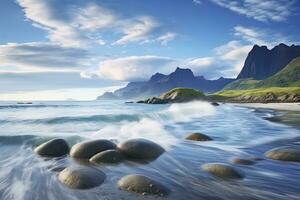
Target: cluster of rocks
105,151
226,171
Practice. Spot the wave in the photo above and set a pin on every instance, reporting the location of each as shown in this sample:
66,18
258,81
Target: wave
35,140
15,106
70,119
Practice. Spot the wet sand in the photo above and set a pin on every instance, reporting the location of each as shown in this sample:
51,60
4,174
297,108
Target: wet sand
276,106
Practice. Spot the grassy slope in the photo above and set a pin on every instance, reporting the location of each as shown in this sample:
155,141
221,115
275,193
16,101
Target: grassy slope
287,77
184,92
278,91
242,84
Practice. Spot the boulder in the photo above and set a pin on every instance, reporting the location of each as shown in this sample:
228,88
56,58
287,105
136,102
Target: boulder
81,178
222,171
87,149
215,103
284,154
143,185
108,156
198,137
242,161
141,149
53,148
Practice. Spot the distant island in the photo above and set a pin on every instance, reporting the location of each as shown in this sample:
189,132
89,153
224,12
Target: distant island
267,76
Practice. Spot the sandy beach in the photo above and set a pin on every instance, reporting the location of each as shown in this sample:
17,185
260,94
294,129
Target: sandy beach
276,106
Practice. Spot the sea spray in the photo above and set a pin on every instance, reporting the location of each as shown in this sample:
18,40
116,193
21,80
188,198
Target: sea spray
145,128
185,112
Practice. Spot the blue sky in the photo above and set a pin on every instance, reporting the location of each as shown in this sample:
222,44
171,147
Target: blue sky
58,49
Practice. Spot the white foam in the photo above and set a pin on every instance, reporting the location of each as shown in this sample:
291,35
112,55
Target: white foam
185,112
145,128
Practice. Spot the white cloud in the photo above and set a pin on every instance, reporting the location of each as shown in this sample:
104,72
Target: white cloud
41,56
73,26
138,30
166,38
93,17
134,67
260,37
197,2
267,10
44,15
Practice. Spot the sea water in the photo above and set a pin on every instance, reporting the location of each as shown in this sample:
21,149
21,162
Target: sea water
236,132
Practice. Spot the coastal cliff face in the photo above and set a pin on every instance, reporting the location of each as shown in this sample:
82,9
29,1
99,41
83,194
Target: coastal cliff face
262,63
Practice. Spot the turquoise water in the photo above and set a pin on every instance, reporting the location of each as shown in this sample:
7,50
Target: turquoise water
236,132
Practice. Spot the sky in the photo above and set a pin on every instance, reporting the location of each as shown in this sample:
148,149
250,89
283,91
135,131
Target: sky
78,49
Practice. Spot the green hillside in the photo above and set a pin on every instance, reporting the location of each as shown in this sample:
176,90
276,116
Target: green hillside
258,95
287,77
241,84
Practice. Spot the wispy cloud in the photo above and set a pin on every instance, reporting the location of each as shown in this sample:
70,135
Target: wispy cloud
197,2
267,10
81,26
138,30
41,56
261,36
134,67
166,38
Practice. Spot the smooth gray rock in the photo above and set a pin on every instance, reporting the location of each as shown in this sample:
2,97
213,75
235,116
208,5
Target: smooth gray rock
141,149
222,171
108,156
198,137
87,149
284,154
77,177
242,161
53,148
142,185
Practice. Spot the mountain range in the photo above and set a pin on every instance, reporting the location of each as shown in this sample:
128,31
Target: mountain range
260,68
160,83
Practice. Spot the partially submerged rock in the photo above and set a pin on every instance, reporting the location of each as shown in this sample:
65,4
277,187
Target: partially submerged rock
108,156
198,137
87,149
81,177
284,154
222,171
143,185
53,148
141,149
215,103
242,161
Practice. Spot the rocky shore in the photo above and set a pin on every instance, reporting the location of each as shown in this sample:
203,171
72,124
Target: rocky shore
97,152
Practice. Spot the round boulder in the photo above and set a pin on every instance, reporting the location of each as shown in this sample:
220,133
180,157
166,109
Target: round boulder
53,148
242,161
108,156
87,149
284,154
198,137
141,149
215,103
81,178
222,171
143,185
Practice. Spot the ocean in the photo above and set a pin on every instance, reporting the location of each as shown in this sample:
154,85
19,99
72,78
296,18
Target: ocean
236,132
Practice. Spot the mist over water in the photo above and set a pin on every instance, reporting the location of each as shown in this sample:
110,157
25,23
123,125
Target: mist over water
235,131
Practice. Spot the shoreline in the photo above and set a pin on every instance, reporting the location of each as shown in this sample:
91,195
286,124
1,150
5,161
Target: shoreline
275,106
